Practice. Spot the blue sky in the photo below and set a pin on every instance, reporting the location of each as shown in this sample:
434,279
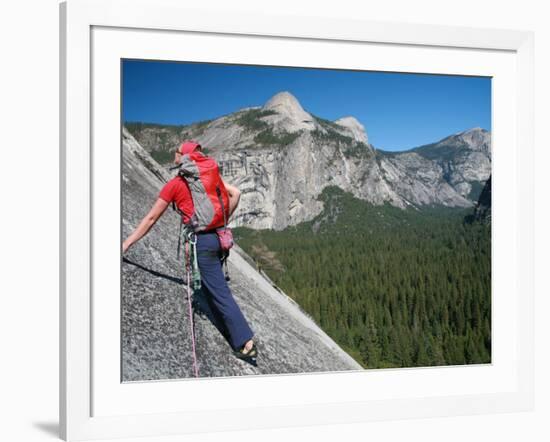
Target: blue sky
399,111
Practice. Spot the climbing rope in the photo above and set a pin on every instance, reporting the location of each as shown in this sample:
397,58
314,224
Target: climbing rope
193,283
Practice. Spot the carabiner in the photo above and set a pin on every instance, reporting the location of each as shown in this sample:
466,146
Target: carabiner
192,237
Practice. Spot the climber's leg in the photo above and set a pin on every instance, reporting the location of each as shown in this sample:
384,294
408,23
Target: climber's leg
215,287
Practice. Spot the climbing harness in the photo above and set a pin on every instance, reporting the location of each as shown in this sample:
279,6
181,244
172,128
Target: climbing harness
189,239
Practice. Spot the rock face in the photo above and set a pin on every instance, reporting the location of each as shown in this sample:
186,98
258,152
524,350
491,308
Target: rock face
482,212
287,114
465,159
357,130
156,340
281,157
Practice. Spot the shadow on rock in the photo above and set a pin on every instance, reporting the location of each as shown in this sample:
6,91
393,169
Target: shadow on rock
154,272
202,302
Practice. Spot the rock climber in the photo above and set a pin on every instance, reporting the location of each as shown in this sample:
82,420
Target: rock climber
208,254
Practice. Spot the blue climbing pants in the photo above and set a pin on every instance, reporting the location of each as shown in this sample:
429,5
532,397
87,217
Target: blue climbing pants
216,289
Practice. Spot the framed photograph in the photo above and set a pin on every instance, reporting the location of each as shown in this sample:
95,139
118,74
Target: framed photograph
307,221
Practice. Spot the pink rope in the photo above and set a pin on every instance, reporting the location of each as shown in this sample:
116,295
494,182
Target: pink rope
189,301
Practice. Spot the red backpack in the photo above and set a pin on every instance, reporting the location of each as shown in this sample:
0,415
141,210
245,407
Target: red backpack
210,198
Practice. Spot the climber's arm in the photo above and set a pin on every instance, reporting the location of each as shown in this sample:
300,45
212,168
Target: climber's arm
234,197
146,223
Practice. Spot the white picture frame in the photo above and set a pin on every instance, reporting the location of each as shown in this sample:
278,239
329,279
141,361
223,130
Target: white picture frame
169,19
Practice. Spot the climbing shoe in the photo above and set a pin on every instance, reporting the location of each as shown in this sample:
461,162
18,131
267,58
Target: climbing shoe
243,354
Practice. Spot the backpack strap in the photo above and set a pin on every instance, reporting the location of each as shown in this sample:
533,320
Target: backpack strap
219,193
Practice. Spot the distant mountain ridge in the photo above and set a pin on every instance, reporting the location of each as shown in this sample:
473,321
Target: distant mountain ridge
282,157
